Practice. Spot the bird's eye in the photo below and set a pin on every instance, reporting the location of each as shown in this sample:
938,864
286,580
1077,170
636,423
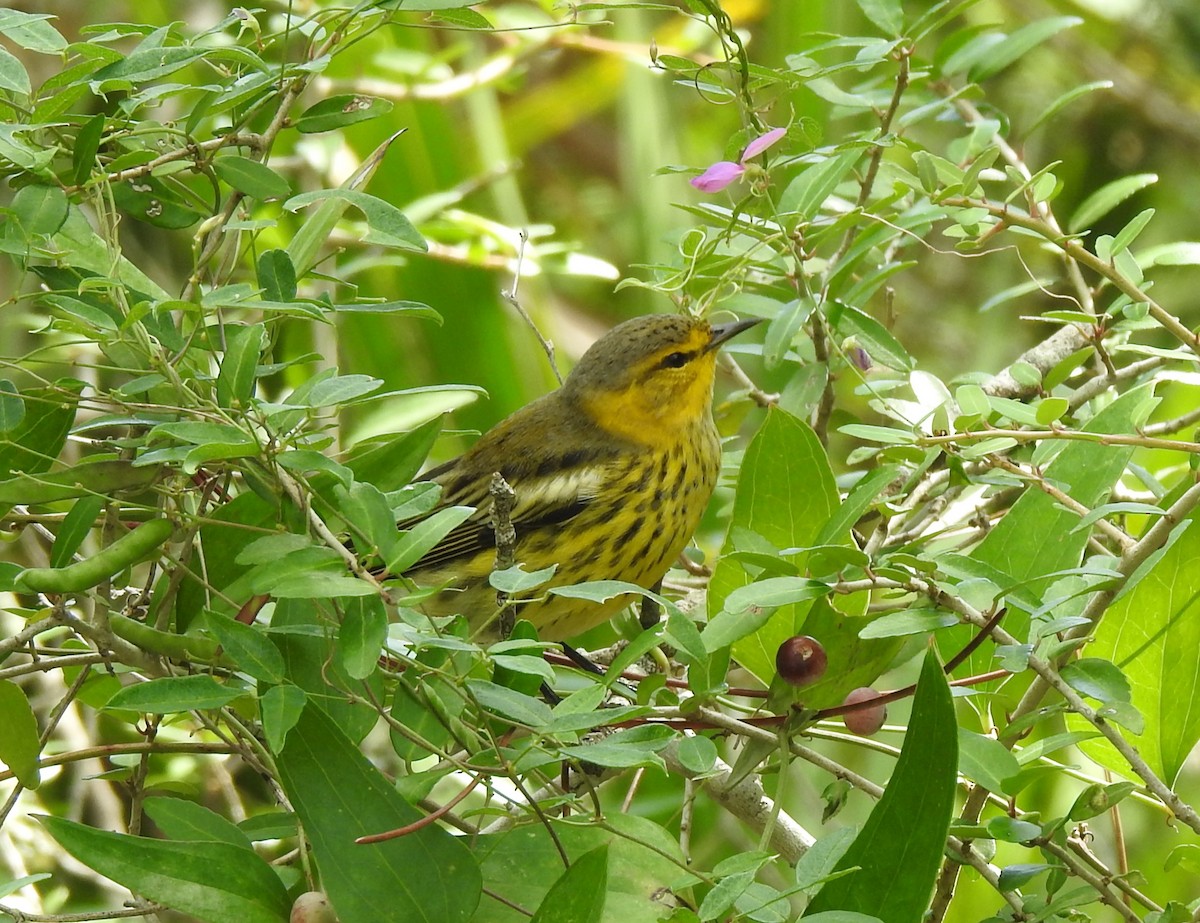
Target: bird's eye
675,360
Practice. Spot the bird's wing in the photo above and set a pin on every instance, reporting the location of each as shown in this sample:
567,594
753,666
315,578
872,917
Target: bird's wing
540,500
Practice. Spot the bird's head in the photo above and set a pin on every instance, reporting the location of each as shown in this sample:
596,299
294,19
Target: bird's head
651,374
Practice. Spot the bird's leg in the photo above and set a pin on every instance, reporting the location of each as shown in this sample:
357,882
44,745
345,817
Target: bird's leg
580,660
651,611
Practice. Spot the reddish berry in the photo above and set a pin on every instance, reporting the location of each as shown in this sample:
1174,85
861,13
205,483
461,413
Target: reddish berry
864,721
800,660
312,907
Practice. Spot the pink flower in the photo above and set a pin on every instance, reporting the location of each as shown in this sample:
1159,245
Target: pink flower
718,176
724,172
762,142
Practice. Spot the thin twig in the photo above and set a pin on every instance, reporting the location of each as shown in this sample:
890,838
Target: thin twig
504,498
510,295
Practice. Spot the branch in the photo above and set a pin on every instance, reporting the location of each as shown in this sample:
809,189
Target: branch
746,800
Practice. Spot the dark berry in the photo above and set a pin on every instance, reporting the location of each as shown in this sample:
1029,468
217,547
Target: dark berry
800,660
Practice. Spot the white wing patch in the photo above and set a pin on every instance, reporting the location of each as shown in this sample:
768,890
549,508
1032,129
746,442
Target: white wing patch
538,497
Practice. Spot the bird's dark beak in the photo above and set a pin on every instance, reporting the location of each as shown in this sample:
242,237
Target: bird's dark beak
723,332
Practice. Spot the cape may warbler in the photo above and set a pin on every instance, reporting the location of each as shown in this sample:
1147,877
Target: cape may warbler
611,474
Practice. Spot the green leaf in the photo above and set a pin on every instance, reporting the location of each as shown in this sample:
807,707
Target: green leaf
972,400
34,444
203,433
427,875
340,111
914,622
783,328
579,894
886,15
430,5
229,529
87,253
305,246
1015,46
146,64
368,515
42,210
786,494
820,859
390,462
362,636
522,864
235,380
508,703
318,586
406,308
307,461
277,276
720,899
985,760
858,501
899,850
339,389
773,592
1065,100
807,192
636,746
1051,409
20,743
32,31
14,885
1014,876
463,19
386,224
75,528
249,648
601,591
425,722
101,477
1152,634
697,754
1100,679
13,76
12,407
1096,799
1108,197
87,143
1128,234
885,434
173,694
255,179
517,580
155,202
302,630
280,709
422,537
186,820
1035,538
272,548
270,825
1013,830
215,882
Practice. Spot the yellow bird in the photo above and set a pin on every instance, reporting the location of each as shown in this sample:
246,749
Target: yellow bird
611,474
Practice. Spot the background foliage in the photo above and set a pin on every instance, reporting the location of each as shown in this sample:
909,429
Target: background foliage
261,263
